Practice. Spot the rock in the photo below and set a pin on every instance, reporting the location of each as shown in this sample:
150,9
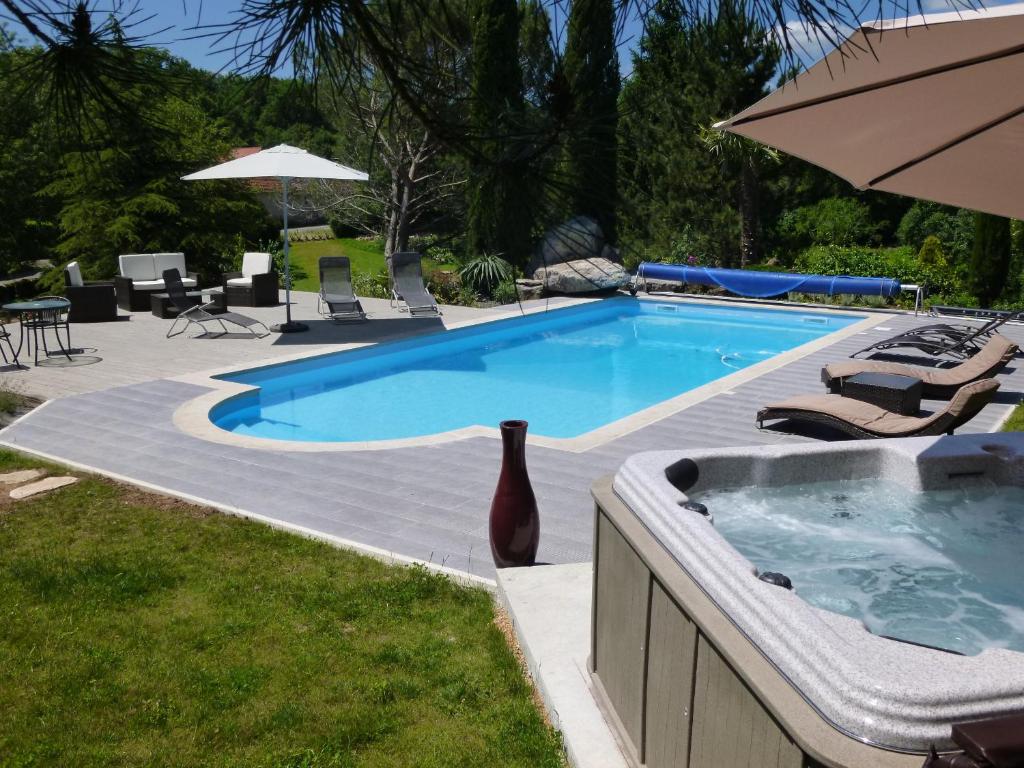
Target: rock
21,476
583,276
578,238
41,486
529,289
661,286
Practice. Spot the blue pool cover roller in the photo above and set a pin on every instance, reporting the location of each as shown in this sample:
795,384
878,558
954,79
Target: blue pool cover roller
762,285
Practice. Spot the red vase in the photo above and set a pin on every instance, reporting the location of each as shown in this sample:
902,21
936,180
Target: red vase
515,525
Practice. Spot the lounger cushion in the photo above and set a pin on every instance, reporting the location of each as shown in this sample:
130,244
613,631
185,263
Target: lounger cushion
74,274
158,285
240,281
137,266
874,419
254,264
998,351
162,261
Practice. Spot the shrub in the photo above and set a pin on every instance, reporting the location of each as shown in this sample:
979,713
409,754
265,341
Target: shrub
900,263
445,285
485,272
506,292
953,227
372,284
833,221
931,254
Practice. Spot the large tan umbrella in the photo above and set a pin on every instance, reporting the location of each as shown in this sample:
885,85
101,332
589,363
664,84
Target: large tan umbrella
931,107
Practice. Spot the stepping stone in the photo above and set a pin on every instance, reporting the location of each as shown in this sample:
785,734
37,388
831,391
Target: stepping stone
41,486
21,476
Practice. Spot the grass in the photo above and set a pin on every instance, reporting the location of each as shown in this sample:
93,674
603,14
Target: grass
138,630
1016,421
366,256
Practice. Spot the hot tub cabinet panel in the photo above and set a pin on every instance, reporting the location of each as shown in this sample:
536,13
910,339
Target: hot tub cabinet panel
669,678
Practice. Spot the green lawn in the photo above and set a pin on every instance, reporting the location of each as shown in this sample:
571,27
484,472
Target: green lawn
1016,421
366,256
137,630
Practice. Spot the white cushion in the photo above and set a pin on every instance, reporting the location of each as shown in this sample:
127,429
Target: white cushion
137,266
151,285
244,281
162,261
255,264
74,274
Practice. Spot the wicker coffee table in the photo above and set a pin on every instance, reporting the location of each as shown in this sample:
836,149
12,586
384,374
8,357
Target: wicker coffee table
899,394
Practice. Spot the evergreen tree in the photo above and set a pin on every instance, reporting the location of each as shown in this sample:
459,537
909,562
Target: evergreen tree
990,257
591,67
496,197
677,199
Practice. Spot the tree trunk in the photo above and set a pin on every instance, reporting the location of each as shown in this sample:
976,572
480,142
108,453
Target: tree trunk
750,224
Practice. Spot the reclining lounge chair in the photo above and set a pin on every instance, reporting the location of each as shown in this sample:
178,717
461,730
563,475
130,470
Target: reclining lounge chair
959,341
337,300
938,383
407,285
198,314
864,420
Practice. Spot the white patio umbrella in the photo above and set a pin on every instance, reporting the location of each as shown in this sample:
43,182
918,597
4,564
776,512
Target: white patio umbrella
284,163
930,107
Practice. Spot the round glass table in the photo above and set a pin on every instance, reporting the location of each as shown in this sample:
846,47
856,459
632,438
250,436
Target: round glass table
37,316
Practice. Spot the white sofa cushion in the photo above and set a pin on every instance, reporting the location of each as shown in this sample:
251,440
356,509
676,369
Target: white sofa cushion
240,281
158,285
162,261
74,274
254,263
137,266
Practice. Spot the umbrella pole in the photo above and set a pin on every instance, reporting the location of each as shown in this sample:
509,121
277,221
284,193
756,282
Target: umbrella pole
288,326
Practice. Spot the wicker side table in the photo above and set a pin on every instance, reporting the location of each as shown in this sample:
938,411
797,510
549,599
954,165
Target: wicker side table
899,394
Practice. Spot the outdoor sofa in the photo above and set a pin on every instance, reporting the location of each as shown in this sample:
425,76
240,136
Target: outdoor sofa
92,301
937,383
140,276
256,285
865,420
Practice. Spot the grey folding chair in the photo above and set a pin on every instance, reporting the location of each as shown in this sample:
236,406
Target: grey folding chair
408,287
337,300
197,314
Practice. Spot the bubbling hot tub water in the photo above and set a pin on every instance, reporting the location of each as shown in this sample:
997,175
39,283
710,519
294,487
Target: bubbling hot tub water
939,568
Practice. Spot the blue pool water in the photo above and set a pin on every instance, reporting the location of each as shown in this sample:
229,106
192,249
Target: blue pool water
567,372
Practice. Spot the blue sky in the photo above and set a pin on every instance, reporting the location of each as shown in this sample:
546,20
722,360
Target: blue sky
181,16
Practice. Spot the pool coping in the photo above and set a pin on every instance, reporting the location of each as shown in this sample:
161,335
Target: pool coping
193,418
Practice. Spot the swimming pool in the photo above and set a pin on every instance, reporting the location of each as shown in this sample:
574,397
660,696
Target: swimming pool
567,372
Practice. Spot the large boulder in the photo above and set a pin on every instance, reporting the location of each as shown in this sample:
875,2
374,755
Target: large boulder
583,276
579,238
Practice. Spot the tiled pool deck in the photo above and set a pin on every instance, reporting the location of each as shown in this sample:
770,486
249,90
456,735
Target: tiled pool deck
428,502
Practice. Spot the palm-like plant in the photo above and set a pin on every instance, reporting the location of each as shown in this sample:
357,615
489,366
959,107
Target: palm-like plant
742,158
485,272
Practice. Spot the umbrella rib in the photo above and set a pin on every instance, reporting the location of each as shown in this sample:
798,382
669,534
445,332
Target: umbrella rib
952,67
944,147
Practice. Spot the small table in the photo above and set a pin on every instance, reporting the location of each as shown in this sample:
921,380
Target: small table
34,315
161,306
899,394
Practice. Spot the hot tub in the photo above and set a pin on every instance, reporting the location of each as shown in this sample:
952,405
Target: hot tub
699,662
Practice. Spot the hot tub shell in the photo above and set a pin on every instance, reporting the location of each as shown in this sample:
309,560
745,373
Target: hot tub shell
699,663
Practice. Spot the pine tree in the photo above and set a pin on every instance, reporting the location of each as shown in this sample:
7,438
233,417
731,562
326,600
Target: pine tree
990,257
496,185
591,67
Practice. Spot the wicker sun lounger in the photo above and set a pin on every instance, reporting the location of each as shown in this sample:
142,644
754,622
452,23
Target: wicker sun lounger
865,420
337,300
959,341
938,383
407,285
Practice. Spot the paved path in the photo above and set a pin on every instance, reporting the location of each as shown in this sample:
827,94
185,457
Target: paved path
429,502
